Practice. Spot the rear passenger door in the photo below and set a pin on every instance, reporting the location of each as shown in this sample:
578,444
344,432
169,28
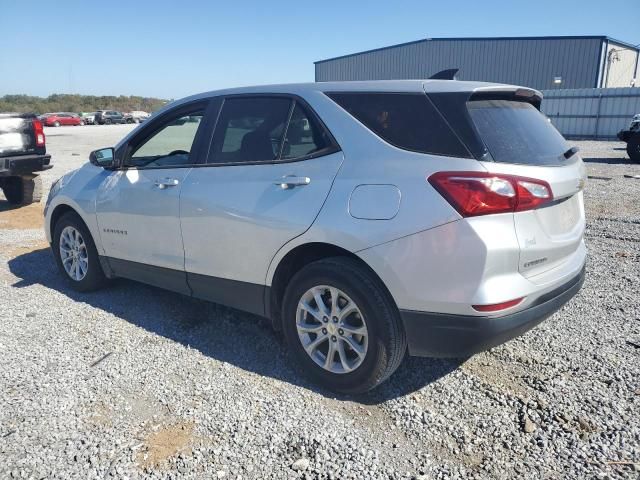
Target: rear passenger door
270,167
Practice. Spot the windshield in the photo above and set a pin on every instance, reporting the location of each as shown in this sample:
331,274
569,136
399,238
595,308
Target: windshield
516,132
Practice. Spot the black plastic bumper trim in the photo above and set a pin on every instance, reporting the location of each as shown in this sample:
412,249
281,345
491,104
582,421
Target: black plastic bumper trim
459,336
23,165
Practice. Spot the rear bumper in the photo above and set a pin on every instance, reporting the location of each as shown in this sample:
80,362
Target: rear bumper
456,336
24,164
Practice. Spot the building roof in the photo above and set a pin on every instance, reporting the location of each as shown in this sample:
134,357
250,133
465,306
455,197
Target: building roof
457,39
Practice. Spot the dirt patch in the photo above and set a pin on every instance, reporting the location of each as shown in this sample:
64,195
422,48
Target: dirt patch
504,376
164,443
26,247
21,218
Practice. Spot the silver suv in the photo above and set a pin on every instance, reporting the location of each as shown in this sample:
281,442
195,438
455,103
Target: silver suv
365,219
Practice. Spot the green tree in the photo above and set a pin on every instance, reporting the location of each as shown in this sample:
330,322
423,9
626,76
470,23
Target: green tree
77,103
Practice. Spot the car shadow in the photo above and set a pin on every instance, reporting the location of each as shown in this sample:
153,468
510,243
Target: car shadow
609,161
228,335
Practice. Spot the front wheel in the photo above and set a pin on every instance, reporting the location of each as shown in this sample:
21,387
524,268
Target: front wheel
342,326
76,254
56,124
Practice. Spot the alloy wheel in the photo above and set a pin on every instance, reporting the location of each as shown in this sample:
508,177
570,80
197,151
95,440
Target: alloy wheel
73,253
332,329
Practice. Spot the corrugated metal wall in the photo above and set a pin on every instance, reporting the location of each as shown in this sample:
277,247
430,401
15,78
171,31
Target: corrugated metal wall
529,62
591,112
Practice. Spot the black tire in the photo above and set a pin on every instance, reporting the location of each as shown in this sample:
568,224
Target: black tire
107,121
23,190
94,278
387,342
633,148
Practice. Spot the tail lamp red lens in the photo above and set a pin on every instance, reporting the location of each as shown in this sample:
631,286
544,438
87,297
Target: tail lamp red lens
496,307
481,193
38,131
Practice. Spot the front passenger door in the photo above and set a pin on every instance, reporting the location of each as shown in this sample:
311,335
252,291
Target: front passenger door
138,204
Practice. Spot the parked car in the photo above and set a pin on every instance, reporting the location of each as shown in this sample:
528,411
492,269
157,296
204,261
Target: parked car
23,154
60,119
89,118
631,137
364,219
107,117
136,116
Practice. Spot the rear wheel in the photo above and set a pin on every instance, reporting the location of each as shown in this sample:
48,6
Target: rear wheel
107,121
22,190
56,124
633,148
342,326
76,254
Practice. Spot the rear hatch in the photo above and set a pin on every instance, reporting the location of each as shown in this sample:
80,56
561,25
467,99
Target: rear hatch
507,133
17,135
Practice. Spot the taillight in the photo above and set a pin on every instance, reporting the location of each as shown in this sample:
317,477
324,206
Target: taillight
496,307
481,193
38,131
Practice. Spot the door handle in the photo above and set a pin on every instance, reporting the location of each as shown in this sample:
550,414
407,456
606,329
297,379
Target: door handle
166,182
291,181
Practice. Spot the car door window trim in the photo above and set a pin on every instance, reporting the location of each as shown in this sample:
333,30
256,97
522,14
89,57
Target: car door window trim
149,130
331,148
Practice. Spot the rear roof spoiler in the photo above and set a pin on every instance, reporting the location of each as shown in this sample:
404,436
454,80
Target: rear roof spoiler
529,95
449,74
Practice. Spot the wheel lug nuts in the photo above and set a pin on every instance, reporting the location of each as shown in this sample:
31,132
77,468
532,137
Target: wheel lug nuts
325,319
340,331
335,319
333,338
324,330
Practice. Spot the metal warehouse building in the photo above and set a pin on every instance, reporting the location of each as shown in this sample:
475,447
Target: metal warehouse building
539,62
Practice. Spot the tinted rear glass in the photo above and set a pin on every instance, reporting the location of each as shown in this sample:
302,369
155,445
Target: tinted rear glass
516,132
407,121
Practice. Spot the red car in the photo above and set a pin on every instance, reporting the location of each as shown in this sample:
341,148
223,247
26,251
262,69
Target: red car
58,119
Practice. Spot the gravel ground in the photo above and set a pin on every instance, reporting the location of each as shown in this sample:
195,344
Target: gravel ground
135,382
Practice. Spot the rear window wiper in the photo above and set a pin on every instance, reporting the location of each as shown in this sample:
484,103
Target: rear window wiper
570,153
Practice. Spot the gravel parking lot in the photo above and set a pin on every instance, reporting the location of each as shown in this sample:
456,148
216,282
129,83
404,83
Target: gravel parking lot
136,382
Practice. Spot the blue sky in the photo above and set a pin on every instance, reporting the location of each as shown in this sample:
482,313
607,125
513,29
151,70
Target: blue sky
175,48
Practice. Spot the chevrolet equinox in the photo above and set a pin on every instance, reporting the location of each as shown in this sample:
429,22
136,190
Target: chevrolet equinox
364,219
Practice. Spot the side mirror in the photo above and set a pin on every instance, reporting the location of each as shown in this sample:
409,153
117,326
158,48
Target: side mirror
102,158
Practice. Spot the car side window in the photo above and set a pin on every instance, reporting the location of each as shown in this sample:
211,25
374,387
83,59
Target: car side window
250,129
405,120
304,136
169,146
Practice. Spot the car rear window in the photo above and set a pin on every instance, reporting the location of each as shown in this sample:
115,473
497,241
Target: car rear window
516,132
405,120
